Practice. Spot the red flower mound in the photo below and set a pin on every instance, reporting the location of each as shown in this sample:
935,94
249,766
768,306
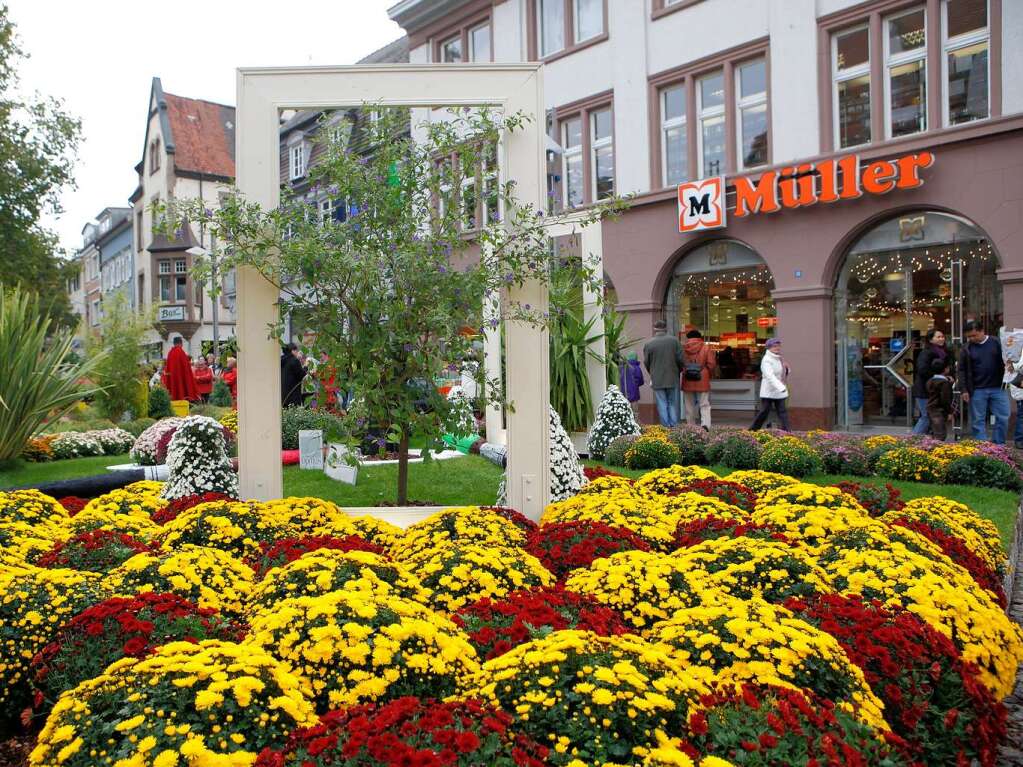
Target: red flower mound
496,626
72,504
766,725
876,499
932,698
565,546
279,553
723,490
594,472
520,520
955,549
96,550
409,732
184,503
117,628
710,527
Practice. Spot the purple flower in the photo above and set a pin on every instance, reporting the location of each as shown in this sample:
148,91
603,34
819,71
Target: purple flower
442,269
494,323
407,347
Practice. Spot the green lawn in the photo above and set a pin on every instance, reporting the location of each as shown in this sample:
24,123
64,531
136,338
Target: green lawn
474,480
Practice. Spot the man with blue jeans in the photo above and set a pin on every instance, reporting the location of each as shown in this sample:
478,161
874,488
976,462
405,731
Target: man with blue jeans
981,370
662,356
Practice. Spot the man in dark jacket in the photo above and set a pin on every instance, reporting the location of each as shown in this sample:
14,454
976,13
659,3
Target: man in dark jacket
934,348
981,369
662,356
292,373
939,398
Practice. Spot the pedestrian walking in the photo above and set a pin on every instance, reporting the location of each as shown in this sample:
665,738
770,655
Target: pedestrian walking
292,373
630,378
774,390
698,365
939,397
934,348
981,370
662,357
1016,393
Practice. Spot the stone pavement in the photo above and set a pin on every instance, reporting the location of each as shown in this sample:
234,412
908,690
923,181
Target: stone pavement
1012,752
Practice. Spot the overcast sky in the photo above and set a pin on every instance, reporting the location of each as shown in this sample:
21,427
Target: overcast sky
100,57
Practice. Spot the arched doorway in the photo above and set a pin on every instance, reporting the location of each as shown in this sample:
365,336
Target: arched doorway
900,278
723,289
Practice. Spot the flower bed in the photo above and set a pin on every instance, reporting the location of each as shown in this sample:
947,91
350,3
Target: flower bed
681,619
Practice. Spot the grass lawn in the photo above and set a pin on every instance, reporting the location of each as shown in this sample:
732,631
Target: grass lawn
473,481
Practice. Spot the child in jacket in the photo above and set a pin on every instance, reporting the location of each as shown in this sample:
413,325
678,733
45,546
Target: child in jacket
939,398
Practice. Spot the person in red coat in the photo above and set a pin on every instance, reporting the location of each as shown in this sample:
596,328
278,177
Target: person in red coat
177,374
230,377
203,379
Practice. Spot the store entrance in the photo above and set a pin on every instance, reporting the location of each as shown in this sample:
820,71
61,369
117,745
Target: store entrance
904,276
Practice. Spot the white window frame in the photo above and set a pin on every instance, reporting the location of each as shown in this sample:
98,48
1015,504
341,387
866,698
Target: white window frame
467,184
668,124
325,209
164,266
704,114
490,175
473,57
909,57
296,161
575,23
445,43
852,73
539,5
741,104
596,144
567,152
180,266
954,44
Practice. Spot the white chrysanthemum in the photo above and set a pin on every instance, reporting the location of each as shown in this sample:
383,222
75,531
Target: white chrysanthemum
614,419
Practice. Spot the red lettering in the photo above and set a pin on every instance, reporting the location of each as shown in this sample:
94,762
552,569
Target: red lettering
798,192
756,198
850,168
910,167
828,174
879,177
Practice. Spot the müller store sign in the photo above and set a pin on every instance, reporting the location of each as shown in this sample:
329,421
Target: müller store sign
703,205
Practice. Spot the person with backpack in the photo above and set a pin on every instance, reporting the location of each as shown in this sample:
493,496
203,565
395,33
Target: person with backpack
981,370
698,364
939,397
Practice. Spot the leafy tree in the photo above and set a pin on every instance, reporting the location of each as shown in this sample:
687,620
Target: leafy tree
38,147
119,351
396,291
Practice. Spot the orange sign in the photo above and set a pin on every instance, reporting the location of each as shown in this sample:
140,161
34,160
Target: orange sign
701,204
767,322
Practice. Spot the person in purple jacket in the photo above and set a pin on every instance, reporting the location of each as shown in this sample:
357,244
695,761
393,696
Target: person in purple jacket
630,379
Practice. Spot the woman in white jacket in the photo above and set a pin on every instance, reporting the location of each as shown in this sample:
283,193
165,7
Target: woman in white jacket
773,389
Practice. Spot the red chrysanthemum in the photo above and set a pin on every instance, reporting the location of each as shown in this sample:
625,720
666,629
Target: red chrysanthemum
876,499
565,546
279,553
595,472
72,504
97,551
724,490
184,503
517,518
708,528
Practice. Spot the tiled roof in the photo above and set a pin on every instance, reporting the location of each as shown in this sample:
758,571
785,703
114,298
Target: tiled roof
203,135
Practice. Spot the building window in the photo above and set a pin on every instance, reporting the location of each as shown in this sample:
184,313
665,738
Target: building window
95,314
180,266
710,95
138,230
588,19
469,202
674,142
451,50
572,161
165,289
567,24
602,154
850,63
479,43
297,163
905,51
550,20
965,41
165,267
751,112
154,156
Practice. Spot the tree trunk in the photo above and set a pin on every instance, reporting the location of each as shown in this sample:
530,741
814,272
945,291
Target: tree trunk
403,468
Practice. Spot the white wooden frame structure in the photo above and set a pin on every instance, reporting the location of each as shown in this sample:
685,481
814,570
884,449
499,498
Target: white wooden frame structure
262,93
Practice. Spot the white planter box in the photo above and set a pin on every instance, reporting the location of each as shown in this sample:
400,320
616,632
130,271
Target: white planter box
337,467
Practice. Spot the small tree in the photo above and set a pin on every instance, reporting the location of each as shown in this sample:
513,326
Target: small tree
119,365
394,291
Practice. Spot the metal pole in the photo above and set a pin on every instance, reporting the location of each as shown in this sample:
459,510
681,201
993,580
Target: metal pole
216,301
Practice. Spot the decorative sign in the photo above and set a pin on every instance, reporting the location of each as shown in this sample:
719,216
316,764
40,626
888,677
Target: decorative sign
702,205
911,228
310,449
767,322
738,339
171,314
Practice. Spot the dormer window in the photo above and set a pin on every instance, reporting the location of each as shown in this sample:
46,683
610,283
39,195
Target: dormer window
297,161
154,155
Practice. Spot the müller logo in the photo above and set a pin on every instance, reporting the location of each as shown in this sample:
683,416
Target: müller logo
702,205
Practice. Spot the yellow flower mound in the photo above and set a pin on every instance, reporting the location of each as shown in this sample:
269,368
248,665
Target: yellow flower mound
353,648
761,482
377,531
47,517
685,507
458,526
753,641
671,479
980,535
20,544
646,587
592,697
812,525
608,483
145,487
138,525
464,574
646,517
880,440
805,494
310,516
239,528
943,594
34,603
209,577
325,570
213,703
139,502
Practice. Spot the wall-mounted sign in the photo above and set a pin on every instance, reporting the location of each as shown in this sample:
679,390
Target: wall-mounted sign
767,322
171,314
702,204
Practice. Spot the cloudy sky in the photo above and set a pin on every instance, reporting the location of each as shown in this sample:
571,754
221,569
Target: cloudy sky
100,57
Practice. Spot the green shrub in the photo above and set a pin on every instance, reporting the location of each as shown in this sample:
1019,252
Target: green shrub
844,458
875,453
138,426
982,471
93,424
788,455
911,464
296,419
691,442
735,449
221,394
159,403
118,354
651,453
614,455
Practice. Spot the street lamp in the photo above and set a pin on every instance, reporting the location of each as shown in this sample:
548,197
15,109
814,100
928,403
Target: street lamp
198,251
